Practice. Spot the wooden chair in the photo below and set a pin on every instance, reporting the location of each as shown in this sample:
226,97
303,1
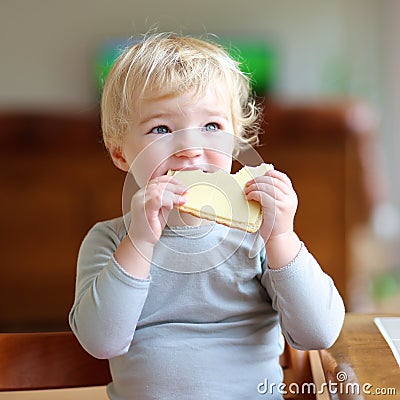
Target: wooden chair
297,370
56,360
51,360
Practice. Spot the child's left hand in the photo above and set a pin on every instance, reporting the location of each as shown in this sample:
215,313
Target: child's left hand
275,193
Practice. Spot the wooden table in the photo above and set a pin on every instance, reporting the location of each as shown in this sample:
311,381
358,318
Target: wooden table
360,365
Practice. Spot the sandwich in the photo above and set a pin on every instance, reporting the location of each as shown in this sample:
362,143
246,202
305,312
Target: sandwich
219,196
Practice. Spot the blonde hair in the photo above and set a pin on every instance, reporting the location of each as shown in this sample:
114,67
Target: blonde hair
174,64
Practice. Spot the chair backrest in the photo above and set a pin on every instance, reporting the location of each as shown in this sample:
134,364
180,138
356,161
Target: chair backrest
50,360
56,360
297,372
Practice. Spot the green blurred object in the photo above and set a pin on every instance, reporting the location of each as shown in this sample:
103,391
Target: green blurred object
105,58
257,57
386,285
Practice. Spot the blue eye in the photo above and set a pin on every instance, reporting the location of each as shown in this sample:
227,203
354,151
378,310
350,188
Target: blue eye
211,127
161,129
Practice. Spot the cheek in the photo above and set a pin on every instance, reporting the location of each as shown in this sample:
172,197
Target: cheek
220,150
221,160
148,160
223,157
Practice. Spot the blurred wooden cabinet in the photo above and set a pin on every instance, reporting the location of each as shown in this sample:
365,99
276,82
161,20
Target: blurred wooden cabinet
328,152
57,181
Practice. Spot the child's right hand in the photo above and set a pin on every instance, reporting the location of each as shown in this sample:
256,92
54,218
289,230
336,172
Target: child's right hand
150,207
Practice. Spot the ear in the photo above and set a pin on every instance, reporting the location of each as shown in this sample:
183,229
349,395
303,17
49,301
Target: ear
118,158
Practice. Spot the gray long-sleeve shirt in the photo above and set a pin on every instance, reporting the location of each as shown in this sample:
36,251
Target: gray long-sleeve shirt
207,323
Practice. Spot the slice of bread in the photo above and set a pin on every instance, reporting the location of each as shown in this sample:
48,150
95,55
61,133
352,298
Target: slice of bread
219,196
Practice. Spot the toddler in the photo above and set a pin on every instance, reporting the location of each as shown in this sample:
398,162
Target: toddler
179,305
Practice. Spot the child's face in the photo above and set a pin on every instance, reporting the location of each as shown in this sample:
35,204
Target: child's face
164,134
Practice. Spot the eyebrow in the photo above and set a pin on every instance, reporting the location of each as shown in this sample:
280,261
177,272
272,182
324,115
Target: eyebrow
216,113
153,116
207,112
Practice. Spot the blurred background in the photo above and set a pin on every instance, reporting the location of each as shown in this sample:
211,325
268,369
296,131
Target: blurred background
325,70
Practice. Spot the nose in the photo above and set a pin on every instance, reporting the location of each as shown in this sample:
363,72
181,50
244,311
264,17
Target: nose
188,143
189,152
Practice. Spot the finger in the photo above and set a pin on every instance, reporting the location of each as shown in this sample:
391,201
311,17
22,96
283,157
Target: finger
261,188
275,176
254,184
168,204
165,179
178,199
160,196
264,198
172,183
278,190
159,186
280,176
261,183
178,189
264,178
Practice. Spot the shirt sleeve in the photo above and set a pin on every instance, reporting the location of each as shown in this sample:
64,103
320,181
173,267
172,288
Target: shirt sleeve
108,301
310,308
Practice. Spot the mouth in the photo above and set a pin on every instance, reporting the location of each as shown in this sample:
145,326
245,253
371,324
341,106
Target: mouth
193,168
